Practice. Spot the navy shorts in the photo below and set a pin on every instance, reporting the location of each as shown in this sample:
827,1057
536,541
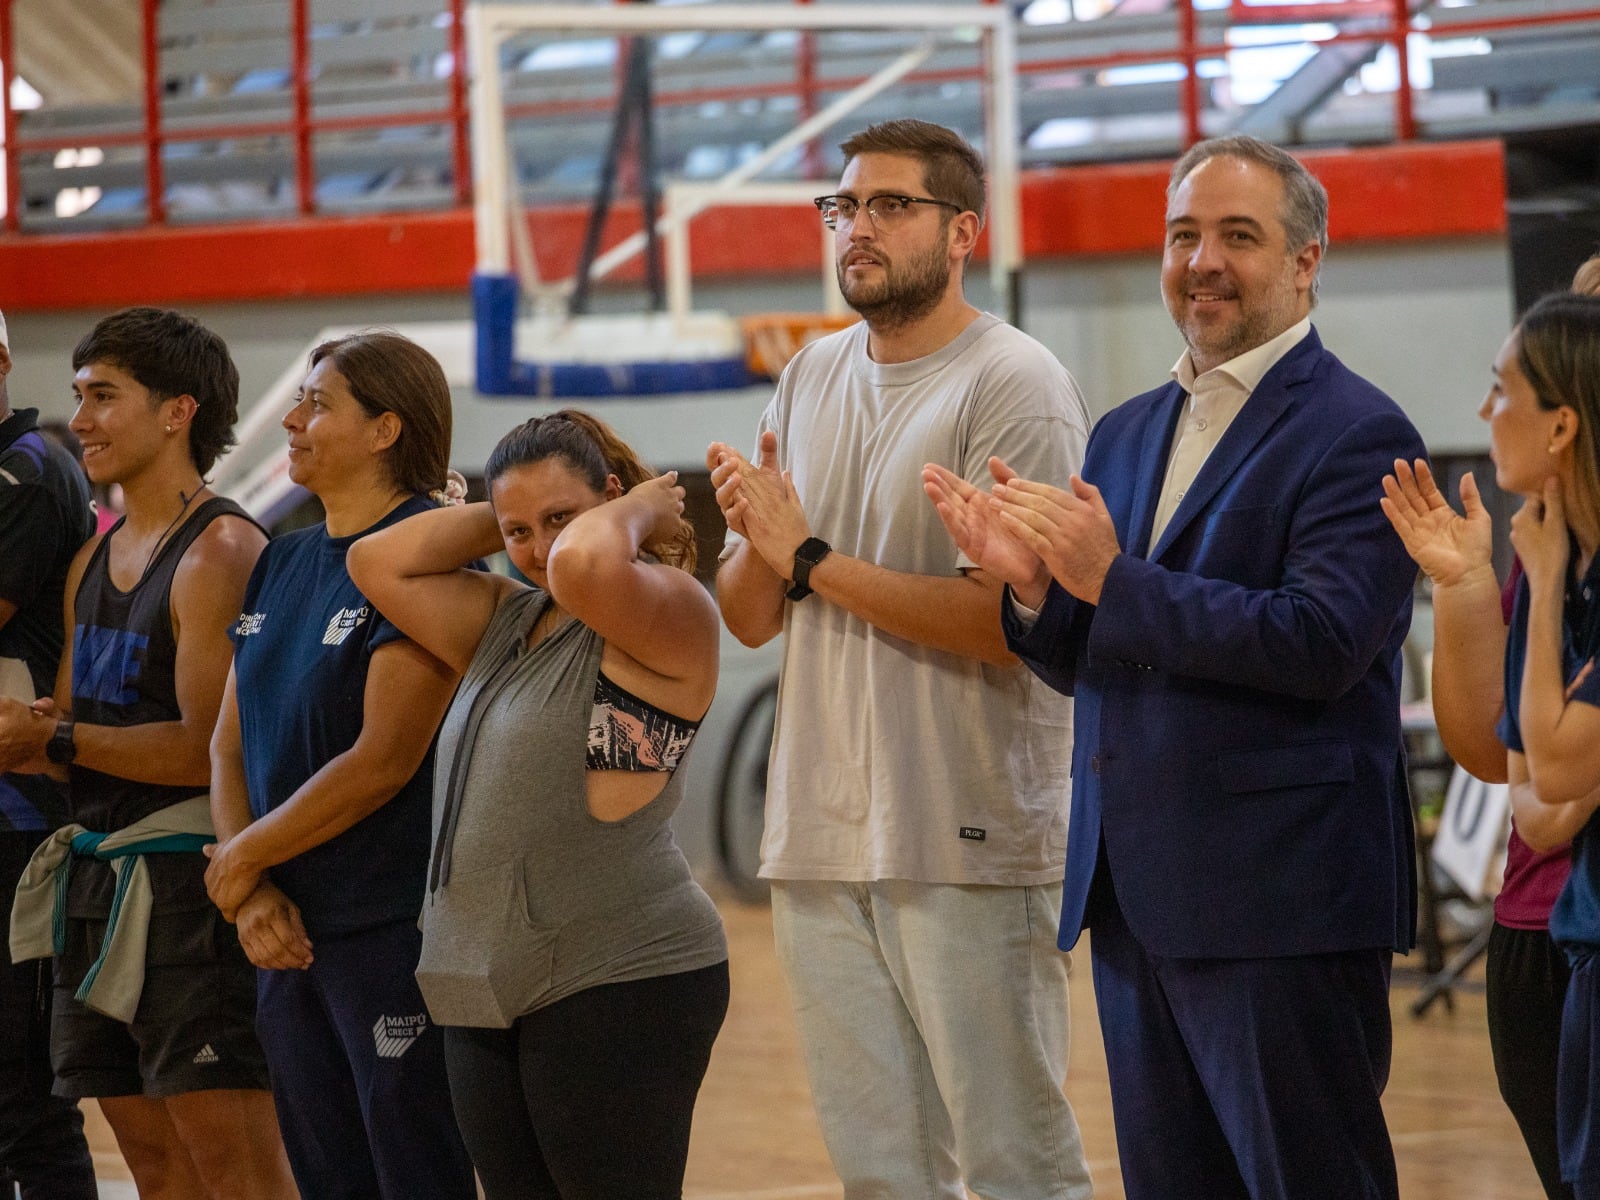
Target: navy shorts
194,1029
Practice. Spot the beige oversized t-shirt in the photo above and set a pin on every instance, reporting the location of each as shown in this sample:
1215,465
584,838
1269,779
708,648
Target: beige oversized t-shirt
892,760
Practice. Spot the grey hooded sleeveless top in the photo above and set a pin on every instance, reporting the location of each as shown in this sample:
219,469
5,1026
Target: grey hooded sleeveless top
531,898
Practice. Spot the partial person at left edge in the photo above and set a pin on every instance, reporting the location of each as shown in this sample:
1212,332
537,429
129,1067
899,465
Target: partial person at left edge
45,516
154,998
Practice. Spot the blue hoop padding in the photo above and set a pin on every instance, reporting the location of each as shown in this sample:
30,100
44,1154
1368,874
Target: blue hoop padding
494,307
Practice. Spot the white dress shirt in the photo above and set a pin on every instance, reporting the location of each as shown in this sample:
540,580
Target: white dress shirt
1215,399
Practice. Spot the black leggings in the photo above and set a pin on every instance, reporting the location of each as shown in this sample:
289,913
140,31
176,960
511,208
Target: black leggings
589,1098
1526,984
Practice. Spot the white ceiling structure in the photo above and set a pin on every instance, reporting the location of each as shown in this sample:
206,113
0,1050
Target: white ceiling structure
79,51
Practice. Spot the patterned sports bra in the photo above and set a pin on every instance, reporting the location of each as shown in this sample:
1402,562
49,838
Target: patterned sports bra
630,734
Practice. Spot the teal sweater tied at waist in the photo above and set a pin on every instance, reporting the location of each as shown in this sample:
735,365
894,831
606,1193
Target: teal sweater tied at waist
39,913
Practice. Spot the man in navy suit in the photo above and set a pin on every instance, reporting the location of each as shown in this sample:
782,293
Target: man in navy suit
1223,596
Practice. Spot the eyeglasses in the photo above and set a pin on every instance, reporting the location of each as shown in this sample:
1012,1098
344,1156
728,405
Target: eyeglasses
886,211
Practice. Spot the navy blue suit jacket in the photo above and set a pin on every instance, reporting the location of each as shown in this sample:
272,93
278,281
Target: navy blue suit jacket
1238,748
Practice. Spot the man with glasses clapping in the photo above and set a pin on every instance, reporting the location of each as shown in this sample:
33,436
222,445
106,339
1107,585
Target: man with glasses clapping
915,823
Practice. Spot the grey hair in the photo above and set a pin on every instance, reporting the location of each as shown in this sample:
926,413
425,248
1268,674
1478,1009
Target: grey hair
1305,200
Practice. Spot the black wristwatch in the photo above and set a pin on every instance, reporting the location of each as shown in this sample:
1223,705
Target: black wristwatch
61,749
812,551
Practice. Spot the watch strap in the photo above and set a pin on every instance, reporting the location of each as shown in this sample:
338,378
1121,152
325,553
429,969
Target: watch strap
811,551
61,749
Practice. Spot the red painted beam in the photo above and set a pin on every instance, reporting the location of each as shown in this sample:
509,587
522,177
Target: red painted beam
319,256
1389,193
1416,190
1384,193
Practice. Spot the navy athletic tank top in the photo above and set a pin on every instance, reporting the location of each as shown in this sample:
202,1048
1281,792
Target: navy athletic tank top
124,658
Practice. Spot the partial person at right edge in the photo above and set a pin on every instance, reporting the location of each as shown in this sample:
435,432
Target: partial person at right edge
1544,430
45,516
164,1040
1526,973
914,815
579,970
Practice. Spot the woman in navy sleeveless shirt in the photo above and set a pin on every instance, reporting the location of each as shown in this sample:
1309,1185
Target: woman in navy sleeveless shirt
322,765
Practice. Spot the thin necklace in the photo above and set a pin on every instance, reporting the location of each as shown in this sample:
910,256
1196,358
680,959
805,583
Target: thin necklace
187,500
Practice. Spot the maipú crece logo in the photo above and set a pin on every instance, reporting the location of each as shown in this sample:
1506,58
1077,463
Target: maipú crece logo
393,1035
342,623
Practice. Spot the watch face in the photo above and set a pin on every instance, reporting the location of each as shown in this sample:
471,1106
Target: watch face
812,551
807,555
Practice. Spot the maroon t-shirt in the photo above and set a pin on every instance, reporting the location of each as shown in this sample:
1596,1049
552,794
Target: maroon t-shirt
1532,883
1532,880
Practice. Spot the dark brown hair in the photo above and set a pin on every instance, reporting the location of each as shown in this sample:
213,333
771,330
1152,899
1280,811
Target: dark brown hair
390,373
1558,349
951,169
592,448
172,355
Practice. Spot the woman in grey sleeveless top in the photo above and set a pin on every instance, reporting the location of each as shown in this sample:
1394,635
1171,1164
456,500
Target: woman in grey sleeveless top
579,970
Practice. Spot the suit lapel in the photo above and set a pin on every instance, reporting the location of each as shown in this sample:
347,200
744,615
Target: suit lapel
1150,471
1259,414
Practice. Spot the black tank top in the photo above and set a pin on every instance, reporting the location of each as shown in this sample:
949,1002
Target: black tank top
44,518
124,657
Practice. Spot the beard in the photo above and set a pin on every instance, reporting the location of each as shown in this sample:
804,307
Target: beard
1221,344
907,292
1259,321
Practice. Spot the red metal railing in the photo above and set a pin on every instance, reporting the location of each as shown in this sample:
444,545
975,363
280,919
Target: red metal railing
1388,21
1405,113
300,76
155,187
1188,37
301,128
8,116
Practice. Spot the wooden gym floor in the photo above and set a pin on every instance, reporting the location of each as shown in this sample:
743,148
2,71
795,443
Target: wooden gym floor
756,1138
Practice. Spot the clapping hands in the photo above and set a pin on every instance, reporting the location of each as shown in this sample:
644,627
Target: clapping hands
759,502
1449,547
1027,533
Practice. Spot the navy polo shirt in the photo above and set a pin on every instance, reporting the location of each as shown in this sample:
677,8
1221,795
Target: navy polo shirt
1575,920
